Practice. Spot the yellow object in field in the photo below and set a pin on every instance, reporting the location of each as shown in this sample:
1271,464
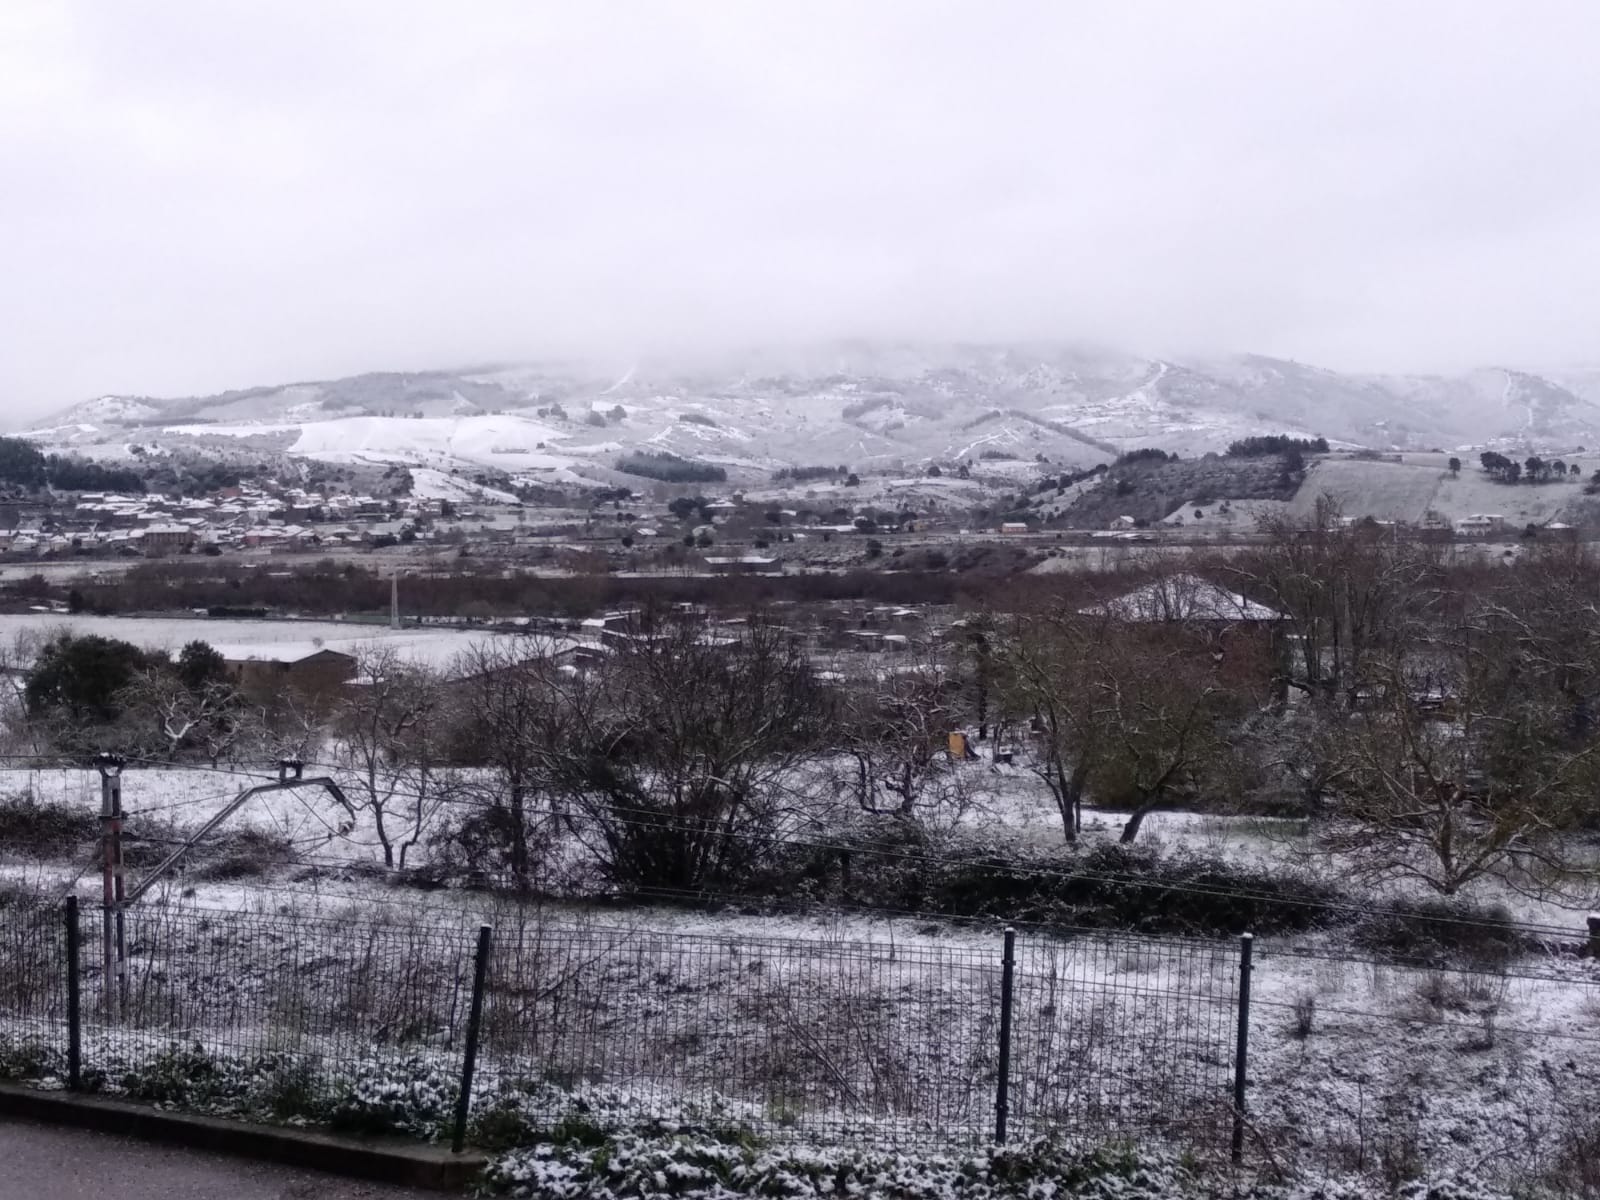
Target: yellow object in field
958,745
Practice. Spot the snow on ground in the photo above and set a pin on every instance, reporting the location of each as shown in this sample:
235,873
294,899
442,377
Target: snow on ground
435,649
1230,516
245,430
503,440
831,1016
430,484
1407,490
172,633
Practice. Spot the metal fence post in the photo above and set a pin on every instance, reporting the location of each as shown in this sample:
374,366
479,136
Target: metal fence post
74,1005
113,934
1002,1090
469,1059
1241,1050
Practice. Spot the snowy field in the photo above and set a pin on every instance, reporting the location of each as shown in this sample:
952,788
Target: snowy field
1408,490
834,1024
22,633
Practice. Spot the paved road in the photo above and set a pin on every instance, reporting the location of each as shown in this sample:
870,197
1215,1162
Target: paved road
45,1161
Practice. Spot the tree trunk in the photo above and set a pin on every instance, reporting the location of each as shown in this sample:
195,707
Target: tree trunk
1135,820
519,839
1068,793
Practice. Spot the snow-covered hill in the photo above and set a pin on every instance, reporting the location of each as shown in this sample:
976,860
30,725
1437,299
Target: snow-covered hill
864,405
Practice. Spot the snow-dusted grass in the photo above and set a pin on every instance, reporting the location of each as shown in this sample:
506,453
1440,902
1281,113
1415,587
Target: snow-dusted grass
839,1027
172,633
1407,490
828,1023
1384,490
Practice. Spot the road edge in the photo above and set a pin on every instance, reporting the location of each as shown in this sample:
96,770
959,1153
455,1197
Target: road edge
418,1165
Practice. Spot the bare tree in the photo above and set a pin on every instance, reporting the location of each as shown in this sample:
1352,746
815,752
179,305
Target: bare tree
1171,713
515,704
681,767
894,721
16,658
1470,753
387,729
290,723
1042,662
171,718
1338,588
1132,700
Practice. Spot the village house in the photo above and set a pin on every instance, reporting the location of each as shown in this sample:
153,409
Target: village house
1187,598
1479,524
746,564
158,540
305,667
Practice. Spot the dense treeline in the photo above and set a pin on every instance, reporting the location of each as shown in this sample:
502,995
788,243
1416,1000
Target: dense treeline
23,465
331,588
1149,454
1266,445
1533,469
669,468
806,474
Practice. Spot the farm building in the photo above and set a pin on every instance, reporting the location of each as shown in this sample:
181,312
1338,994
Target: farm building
1481,523
746,564
1184,598
302,666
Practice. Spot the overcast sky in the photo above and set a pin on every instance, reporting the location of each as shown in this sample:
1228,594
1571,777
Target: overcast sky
198,194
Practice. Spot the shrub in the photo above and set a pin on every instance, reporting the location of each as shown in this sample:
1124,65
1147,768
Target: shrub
528,1112
41,829
410,1095
187,1077
244,854
1147,454
895,865
644,1169
29,1060
1436,931
1305,1015
656,1168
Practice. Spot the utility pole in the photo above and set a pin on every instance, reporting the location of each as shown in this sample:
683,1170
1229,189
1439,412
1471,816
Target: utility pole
394,599
113,934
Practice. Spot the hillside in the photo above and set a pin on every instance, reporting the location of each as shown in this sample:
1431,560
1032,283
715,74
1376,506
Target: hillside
871,406
1421,483
1151,492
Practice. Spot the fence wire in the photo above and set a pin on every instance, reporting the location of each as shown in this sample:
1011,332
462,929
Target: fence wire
1356,1065
867,1040
1120,1036
33,986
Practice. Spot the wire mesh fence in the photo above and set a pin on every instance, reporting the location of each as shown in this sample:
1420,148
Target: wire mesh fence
860,1039
1354,1064
33,984
1377,1067
872,1041
1126,1036
245,985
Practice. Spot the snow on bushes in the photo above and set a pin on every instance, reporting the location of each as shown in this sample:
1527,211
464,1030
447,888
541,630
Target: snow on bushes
701,1168
414,1095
